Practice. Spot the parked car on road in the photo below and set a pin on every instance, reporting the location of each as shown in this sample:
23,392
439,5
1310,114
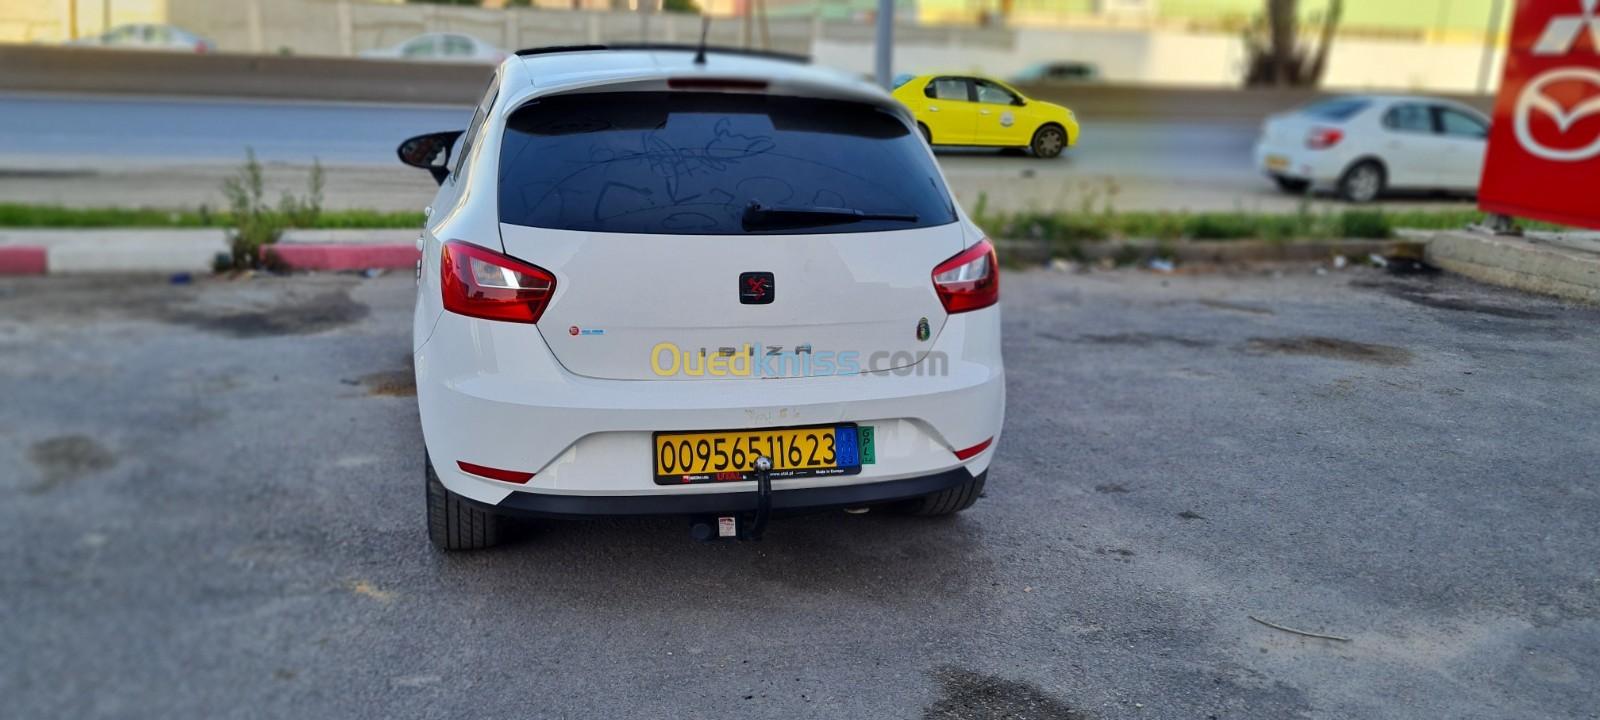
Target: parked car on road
1364,145
146,36
1059,71
440,47
978,111
718,287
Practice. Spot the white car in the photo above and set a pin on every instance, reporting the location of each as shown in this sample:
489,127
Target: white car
441,47
146,36
1362,146
722,289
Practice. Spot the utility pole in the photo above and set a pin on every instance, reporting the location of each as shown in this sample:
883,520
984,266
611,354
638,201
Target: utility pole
885,60
1490,39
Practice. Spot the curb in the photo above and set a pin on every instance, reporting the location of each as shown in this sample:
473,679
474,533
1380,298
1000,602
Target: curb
23,260
95,251
1213,251
333,258
1531,264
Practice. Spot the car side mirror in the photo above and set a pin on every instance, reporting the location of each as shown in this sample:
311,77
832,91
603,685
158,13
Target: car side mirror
430,152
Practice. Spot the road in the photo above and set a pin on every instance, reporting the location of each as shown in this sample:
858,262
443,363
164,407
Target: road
164,151
211,501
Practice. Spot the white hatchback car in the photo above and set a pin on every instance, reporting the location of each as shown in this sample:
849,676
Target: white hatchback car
1362,146
440,47
719,286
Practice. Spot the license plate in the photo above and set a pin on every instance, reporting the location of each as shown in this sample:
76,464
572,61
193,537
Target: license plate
1277,162
730,456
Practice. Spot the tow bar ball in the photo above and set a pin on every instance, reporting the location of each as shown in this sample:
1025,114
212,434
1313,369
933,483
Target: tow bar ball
722,527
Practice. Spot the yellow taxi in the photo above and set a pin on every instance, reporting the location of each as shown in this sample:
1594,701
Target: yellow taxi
956,109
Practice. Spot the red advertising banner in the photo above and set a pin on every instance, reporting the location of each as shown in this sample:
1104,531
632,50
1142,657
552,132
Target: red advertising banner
1544,147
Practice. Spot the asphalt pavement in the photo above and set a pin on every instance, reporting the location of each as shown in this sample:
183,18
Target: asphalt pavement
212,507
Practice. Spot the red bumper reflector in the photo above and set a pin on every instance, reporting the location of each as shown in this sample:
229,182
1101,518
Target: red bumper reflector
510,476
974,450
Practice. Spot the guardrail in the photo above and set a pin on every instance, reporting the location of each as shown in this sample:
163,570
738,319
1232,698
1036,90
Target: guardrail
94,70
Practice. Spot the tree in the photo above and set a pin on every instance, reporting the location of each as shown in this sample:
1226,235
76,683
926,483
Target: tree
1274,55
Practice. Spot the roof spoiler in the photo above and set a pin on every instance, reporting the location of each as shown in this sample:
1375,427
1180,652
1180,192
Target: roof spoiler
683,47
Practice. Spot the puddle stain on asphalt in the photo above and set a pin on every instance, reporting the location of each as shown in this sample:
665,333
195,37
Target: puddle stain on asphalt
391,383
1236,307
1144,340
1110,488
1119,554
66,458
1427,297
968,694
1333,348
300,316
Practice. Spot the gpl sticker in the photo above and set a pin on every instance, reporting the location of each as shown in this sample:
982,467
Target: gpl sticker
1007,119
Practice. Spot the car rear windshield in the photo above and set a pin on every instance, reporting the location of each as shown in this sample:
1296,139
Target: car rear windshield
689,163
1336,109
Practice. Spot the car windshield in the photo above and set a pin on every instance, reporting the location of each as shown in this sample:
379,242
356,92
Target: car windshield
1336,109
696,163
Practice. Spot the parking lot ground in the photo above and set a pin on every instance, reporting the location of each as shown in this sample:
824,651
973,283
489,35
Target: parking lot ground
213,508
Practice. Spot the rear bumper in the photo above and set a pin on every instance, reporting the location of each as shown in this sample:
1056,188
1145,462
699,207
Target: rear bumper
799,499
1319,167
492,394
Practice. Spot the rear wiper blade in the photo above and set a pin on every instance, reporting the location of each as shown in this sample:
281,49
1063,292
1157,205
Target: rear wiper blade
766,217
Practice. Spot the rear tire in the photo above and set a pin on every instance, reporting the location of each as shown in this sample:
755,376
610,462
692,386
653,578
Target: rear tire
946,502
456,524
1293,186
927,136
1048,141
1363,182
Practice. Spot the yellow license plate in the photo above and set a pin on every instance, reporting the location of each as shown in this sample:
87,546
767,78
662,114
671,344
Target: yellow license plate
730,456
1277,162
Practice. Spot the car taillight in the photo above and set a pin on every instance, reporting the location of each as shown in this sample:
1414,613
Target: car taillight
968,281
1323,138
478,282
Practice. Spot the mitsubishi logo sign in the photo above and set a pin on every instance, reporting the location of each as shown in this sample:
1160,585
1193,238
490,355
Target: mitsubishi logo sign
1563,30
1544,144
1560,37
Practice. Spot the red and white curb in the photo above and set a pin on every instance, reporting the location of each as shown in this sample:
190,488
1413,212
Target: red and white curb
72,252
329,257
23,260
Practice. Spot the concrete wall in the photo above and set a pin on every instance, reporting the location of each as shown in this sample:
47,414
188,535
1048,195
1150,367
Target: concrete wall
1166,57
52,21
237,75
345,27
1171,58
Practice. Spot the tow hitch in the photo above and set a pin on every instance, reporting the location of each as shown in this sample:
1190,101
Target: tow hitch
743,526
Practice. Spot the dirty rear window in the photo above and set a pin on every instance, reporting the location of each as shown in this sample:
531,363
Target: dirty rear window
695,163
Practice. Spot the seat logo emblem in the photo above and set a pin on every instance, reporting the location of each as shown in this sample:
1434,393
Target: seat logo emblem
756,288
1559,38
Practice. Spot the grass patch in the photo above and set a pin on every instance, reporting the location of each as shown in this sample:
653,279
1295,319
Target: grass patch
1066,231
21,215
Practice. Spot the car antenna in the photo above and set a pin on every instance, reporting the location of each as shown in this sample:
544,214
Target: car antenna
705,27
